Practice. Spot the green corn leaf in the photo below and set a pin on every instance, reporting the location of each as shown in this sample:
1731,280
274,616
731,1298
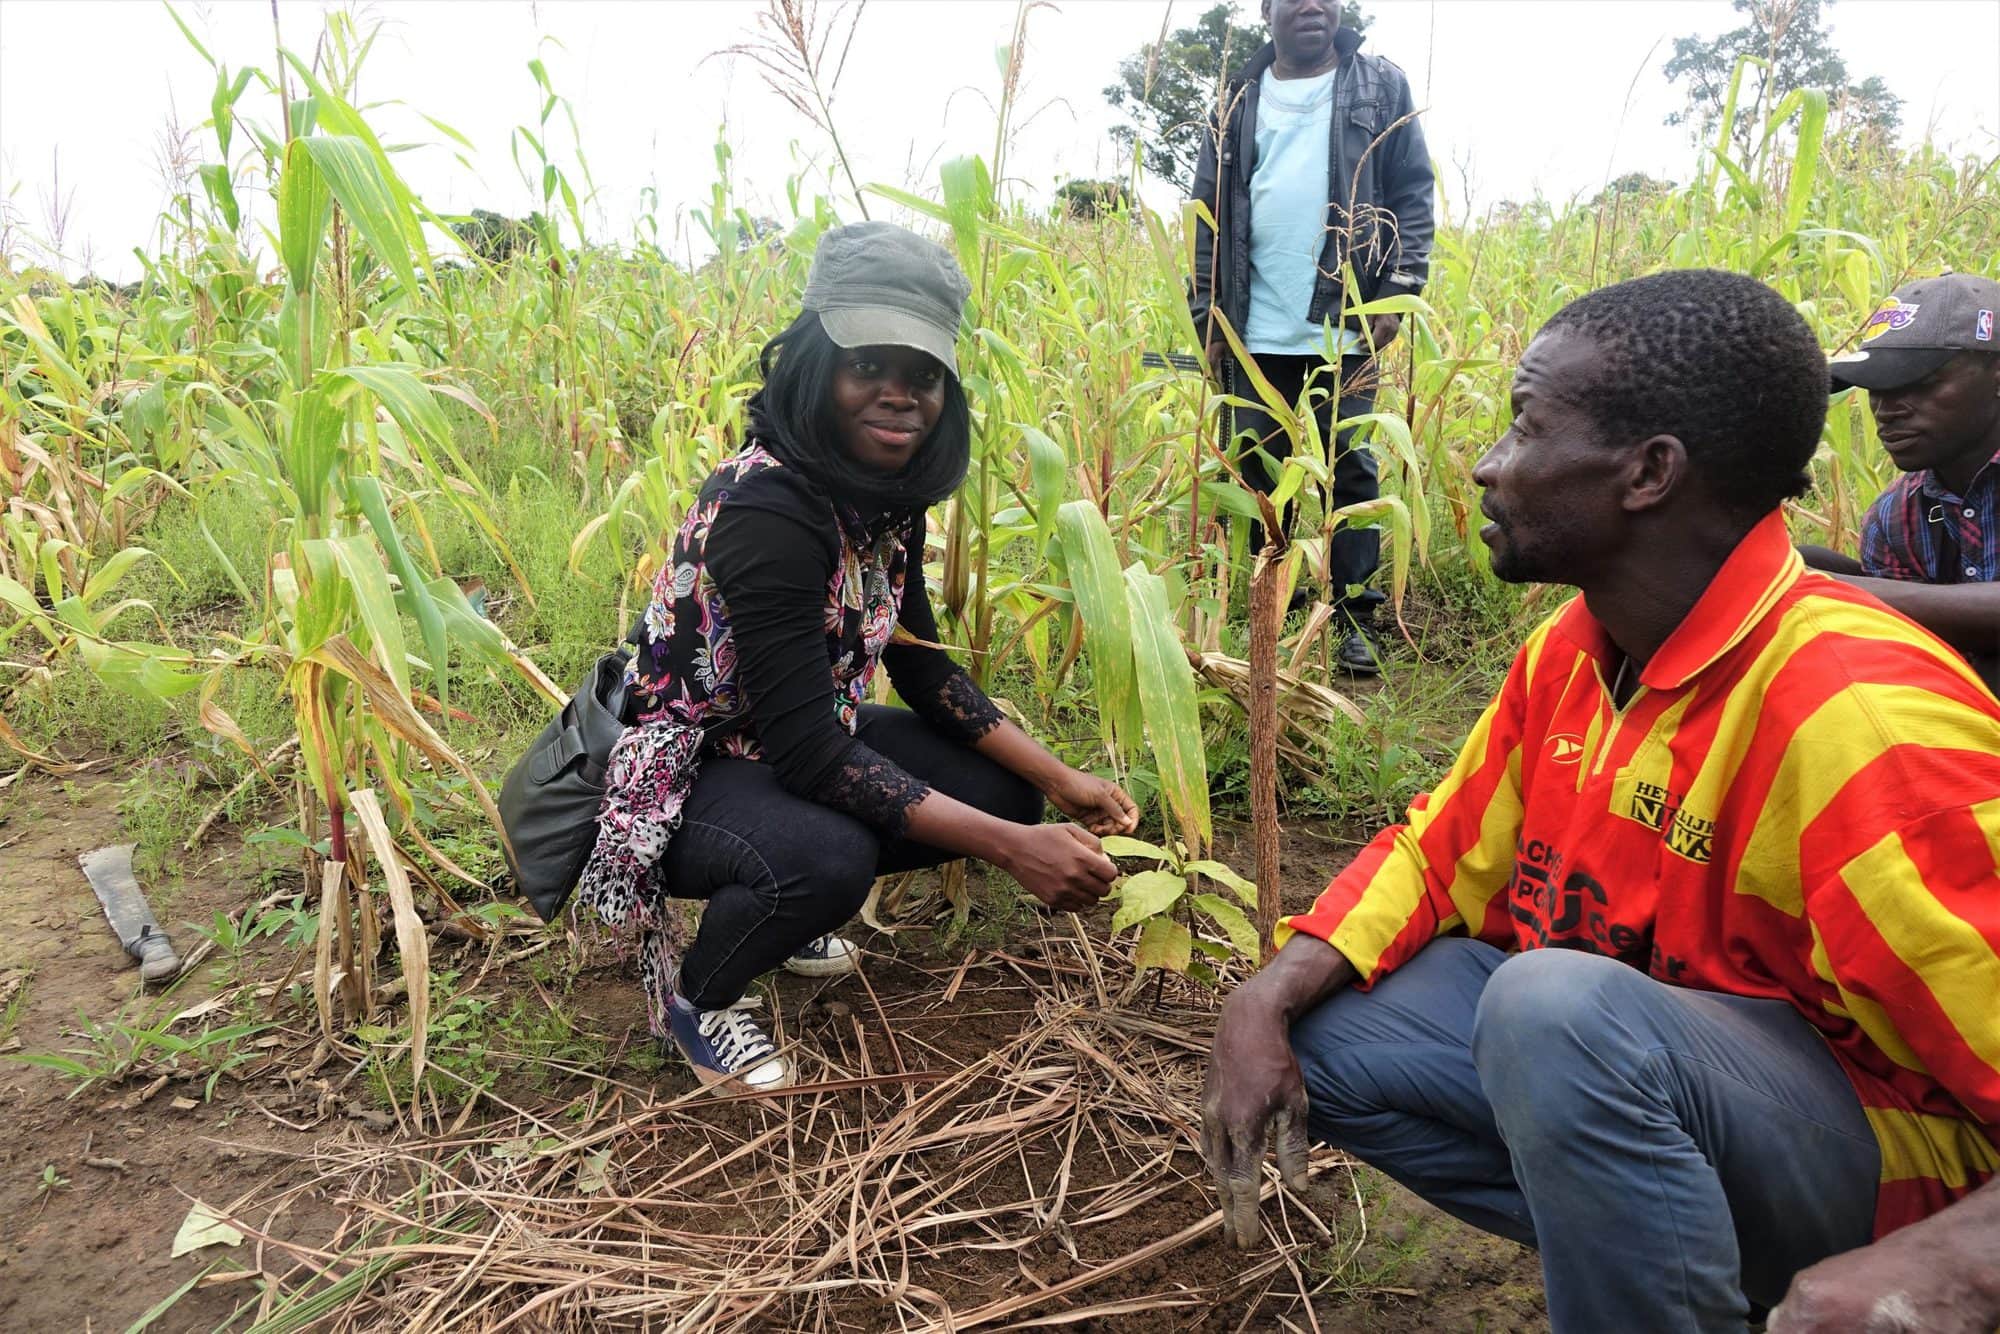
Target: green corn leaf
1806,156
221,192
22,603
47,1060
54,579
414,407
106,576
1228,497
222,106
312,450
375,606
1268,398
916,203
360,181
1390,513
188,33
305,203
476,637
1751,195
324,600
229,569
143,671
1167,703
415,595
1107,621
1048,470
968,200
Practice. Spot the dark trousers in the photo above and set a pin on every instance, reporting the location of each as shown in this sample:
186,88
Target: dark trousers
1674,1154
1356,551
779,870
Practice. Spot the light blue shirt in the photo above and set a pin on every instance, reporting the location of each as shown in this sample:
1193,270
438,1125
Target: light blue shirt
1288,212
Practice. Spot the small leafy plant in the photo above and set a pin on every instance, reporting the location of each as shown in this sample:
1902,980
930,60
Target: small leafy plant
117,1050
1172,911
51,1181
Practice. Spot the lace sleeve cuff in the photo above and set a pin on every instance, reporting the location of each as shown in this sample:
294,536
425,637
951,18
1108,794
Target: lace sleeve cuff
957,708
874,790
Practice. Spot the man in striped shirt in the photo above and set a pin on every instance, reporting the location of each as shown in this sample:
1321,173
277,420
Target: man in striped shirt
1929,358
1688,972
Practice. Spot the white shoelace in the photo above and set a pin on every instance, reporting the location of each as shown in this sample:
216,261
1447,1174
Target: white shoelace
737,1039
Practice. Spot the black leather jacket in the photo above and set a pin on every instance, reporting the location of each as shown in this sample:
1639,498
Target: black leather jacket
1380,205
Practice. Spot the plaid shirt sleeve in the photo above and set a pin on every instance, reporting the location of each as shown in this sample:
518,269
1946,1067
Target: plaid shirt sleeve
1891,535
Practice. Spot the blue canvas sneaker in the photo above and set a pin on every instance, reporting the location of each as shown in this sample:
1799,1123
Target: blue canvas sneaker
829,956
726,1047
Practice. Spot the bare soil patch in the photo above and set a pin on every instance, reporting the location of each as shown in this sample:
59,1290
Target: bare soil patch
998,1136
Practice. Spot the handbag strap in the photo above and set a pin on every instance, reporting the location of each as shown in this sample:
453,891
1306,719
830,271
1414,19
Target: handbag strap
567,746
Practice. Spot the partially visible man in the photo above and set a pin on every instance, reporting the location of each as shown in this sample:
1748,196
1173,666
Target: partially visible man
1940,1276
1686,972
1317,161
1930,546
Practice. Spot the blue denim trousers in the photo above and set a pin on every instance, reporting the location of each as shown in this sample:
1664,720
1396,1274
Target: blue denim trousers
1674,1155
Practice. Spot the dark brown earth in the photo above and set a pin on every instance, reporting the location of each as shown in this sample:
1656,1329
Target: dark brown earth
87,1245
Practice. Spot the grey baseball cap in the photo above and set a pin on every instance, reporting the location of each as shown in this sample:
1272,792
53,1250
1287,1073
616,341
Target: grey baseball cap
875,284
1920,327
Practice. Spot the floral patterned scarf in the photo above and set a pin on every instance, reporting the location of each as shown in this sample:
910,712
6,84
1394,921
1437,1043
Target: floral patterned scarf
688,704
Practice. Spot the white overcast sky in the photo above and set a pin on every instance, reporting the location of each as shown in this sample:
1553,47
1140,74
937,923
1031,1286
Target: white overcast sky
1549,96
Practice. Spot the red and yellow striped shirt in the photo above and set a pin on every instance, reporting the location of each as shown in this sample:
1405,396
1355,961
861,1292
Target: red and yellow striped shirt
1801,801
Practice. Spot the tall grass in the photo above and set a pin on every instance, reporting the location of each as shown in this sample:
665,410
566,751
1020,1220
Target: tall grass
336,446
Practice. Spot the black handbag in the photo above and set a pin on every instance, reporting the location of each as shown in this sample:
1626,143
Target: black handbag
548,805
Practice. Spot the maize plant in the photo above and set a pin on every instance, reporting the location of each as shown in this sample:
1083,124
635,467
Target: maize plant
301,343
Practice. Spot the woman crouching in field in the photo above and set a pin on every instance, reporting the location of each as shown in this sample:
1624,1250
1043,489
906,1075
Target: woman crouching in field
756,777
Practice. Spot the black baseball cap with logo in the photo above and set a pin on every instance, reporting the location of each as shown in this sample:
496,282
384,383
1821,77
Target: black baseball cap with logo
1920,327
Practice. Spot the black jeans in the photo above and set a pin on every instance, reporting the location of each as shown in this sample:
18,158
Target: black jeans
779,870
1356,551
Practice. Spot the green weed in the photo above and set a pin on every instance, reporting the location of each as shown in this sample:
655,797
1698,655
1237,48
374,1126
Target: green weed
476,1041
15,990
114,1050
49,1182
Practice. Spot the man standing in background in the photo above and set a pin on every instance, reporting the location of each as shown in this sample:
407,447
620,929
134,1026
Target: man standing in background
1315,161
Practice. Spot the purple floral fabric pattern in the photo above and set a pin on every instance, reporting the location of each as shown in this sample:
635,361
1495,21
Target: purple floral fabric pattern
689,703
646,783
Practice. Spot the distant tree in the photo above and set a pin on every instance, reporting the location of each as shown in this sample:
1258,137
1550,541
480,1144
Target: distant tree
1868,110
1632,183
759,231
1792,36
1168,89
1090,199
494,237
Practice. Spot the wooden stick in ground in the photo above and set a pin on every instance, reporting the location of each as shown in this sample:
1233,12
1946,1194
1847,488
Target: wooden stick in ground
1266,613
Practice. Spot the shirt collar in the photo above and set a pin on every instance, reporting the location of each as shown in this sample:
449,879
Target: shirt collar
1933,486
1757,574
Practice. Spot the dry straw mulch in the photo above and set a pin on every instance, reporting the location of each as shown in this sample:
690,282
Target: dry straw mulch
1051,1178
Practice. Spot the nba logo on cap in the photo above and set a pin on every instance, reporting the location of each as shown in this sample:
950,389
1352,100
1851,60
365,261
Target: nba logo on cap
1982,328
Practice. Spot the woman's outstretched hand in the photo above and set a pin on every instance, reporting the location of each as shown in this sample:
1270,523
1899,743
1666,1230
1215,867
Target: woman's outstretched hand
1060,864
1098,804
